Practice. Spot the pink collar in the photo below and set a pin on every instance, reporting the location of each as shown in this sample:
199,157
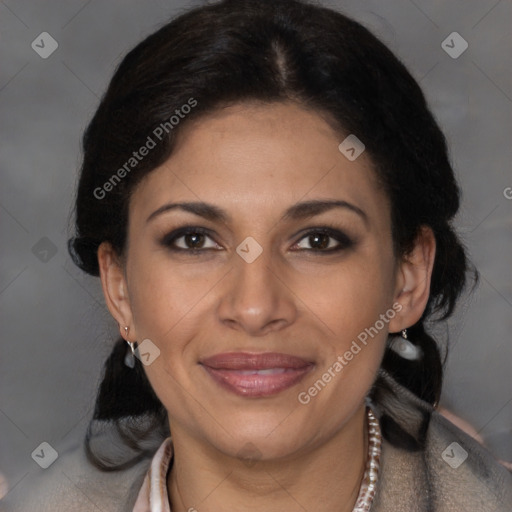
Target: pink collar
153,495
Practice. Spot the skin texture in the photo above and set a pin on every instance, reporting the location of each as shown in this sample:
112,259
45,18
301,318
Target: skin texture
254,161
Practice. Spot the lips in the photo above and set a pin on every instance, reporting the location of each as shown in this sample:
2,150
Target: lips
256,375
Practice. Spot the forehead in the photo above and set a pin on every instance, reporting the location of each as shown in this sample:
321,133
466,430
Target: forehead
260,156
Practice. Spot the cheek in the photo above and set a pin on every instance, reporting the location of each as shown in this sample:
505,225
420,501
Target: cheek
161,295
352,295
163,305
354,301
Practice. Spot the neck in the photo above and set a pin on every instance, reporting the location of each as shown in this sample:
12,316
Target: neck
324,478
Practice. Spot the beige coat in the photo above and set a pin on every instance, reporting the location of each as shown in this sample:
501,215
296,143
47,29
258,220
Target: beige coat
420,481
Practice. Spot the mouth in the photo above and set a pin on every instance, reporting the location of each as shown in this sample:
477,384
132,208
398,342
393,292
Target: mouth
256,375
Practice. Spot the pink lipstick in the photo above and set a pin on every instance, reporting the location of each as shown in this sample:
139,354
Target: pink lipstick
256,374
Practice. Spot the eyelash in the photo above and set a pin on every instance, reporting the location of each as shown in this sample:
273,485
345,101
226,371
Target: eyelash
344,241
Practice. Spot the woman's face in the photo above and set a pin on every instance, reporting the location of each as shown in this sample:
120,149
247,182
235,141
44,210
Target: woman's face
272,287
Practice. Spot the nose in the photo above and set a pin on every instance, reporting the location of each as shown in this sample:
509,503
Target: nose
257,299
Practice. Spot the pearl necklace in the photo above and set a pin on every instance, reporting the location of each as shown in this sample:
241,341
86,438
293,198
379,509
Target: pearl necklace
369,484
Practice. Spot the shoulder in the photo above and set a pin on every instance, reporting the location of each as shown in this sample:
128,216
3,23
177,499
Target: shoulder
449,473
452,473
465,474
73,484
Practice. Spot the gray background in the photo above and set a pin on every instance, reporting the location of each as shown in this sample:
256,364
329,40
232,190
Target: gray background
56,332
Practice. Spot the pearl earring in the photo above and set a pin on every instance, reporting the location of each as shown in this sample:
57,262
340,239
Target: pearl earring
404,348
129,359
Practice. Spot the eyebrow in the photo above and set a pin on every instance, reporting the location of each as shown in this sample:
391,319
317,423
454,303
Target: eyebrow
299,211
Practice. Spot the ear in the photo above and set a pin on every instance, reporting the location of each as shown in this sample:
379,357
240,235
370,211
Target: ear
413,278
113,282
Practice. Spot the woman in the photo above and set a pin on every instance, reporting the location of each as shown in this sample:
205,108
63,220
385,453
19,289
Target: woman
268,202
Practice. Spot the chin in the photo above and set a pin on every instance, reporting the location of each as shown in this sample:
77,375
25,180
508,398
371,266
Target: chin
263,435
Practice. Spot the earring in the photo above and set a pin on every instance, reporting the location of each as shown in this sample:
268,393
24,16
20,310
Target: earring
129,358
404,348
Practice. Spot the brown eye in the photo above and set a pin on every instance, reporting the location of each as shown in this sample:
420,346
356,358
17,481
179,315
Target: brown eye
320,241
193,240
324,240
189,239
